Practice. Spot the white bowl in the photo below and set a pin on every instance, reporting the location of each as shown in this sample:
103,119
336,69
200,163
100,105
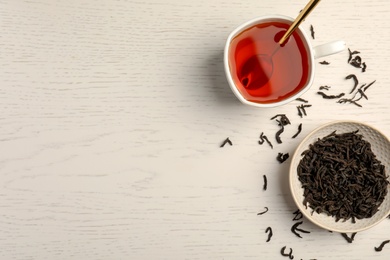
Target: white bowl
380,146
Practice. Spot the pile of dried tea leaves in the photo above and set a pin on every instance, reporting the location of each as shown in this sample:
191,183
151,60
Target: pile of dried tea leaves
342,177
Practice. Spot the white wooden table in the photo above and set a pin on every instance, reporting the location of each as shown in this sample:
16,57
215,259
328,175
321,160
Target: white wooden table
112,116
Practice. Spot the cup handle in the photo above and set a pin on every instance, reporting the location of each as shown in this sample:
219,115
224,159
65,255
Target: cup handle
328,49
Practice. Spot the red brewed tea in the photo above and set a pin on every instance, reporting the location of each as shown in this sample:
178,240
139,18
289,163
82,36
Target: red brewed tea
264,71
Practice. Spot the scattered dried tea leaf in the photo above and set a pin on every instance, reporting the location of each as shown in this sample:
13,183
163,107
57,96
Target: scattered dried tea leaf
299,131
330,96
282,157
265,211
226,141
380,247
264,138
356,81
302,110
295,228
298,215
302,100
265,182
269,231
290,255
349,239
325,87
312,32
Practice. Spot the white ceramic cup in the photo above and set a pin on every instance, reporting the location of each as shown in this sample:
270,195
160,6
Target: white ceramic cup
312,53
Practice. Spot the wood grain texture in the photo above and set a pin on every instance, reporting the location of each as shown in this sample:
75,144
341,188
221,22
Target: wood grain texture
112,114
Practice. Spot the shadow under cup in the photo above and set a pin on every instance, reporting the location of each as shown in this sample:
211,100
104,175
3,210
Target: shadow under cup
261,71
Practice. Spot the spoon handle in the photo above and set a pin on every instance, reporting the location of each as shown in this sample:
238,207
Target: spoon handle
302,15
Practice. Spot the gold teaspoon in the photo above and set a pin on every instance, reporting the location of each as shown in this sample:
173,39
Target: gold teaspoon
302,15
